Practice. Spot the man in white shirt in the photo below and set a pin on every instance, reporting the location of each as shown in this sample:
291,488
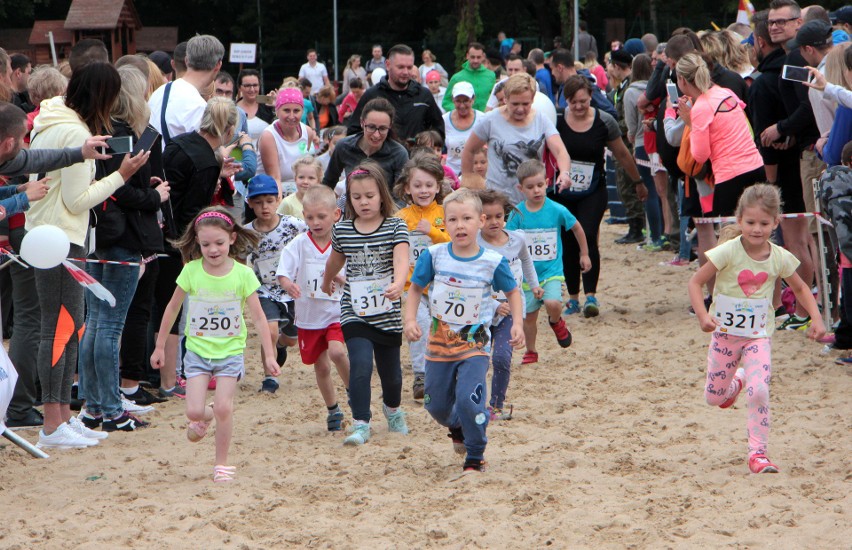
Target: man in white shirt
315,72
184,106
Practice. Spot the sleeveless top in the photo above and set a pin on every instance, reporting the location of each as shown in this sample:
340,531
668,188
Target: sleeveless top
456,139
287,154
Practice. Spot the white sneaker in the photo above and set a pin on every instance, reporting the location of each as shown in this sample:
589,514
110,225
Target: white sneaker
78,426
133,408
64,438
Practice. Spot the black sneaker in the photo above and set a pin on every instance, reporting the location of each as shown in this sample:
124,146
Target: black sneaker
90,421
458,440
473,465
144,397
31,419
124,423
281,354
269,385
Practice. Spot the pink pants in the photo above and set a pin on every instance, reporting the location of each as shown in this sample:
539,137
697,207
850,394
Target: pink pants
754,355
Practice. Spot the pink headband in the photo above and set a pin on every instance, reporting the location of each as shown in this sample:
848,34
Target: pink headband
208,215
289,96
358,173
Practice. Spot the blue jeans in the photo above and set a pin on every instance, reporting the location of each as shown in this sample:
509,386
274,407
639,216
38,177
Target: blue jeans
653,207
98,361
456,396
501,359
685,244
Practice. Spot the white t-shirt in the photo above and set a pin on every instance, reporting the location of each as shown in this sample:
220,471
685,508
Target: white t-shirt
183,111
315,74
302,262
456,139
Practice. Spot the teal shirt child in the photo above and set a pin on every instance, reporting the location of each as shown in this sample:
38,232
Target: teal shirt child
543,232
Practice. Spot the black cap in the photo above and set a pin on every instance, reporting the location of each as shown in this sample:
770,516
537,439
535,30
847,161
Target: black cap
843,15
621,56
813,33
163,61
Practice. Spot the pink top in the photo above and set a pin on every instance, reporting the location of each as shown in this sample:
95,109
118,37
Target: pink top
600,77
844,262
347,106
724,137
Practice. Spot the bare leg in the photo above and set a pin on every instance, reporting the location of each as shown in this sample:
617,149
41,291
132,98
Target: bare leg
168,374
661,182
52,417
337,355
322,369
223,409
554,310
531,329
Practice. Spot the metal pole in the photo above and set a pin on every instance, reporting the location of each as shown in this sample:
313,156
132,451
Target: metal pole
335,40
24,444
577,30
823,264
260,48
52,47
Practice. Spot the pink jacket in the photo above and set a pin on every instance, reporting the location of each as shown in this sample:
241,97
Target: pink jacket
724,137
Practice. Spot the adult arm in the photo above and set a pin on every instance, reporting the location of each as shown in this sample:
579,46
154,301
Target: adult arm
269,156
335,168
473,143
657,82
699,137
36,161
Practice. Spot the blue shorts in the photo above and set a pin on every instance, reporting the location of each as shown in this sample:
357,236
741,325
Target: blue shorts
195,365
552,291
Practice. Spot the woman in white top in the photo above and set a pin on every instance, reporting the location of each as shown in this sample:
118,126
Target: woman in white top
458,123
258,116
352,70
285,140
429,64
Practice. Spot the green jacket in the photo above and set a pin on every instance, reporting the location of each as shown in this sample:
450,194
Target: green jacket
483,81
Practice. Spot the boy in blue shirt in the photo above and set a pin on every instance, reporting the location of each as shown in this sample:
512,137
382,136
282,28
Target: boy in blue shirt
542,221
462,275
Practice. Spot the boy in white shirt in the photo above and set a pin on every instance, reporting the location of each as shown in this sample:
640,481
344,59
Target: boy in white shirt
300,274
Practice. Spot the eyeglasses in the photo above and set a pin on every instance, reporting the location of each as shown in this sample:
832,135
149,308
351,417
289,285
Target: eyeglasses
372,128
779,22
250,85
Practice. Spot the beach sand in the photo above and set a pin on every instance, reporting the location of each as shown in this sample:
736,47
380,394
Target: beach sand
611,446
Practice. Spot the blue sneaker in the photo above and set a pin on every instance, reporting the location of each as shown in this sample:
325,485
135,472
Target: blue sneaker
396,421
590,308
572,306
360,435
334,420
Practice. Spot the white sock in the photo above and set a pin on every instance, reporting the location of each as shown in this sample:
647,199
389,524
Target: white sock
391,410
359,422
130,391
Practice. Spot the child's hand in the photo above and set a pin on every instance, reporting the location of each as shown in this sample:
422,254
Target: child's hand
817,329
503,309
538,292
585,263
708,324
517,334
340,280
394,291
424,227
271,367
158,358
292,289
412,331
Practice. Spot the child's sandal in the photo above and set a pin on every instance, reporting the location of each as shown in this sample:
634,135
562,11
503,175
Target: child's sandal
222,474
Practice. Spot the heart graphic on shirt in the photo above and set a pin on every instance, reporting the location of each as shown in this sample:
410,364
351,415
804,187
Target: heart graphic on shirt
751,282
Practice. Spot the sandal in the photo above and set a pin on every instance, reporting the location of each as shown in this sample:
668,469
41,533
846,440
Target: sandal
529,358
196,431
222,474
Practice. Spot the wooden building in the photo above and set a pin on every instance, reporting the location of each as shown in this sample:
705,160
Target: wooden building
115,22
40,42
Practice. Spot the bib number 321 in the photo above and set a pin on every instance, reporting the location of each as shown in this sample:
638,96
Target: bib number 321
742,316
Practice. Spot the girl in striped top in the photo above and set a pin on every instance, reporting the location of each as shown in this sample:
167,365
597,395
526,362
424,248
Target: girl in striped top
374,247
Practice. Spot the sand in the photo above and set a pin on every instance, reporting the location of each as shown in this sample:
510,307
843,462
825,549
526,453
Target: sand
611,446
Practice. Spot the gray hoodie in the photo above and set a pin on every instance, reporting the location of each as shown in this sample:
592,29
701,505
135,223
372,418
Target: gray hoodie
632,116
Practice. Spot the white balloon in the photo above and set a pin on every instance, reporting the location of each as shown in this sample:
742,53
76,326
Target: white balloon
45,246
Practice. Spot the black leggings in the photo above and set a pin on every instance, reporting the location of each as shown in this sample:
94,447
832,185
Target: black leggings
134,340
589,212
726,194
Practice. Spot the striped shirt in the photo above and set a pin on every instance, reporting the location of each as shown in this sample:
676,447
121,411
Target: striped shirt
369,257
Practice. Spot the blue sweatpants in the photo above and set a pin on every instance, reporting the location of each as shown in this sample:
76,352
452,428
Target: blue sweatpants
501,359
456,397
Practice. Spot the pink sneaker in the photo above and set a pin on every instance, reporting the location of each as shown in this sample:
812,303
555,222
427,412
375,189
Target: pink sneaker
738,386
677,261
759,464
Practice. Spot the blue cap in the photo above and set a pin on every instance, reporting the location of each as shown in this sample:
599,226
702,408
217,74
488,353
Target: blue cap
262,184
634,47
748,41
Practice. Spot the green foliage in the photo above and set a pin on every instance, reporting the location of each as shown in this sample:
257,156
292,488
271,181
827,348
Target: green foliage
468,30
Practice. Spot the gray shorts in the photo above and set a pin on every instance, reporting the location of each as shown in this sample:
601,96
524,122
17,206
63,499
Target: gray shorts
194,365
282,313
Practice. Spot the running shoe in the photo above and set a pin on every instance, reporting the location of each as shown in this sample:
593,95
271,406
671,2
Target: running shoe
131,407
572,306
89,420
124,423
781,314
653,246
334,420
280,354
81,429
64,437
843,360
396,420
591,307
269,385
530,357
677,261
759,464
32,419
496,413
457,437
360,435
796,323
418,389
563,335
473,465
738,386
143,397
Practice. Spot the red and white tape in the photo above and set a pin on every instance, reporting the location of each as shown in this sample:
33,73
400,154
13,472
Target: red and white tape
733,219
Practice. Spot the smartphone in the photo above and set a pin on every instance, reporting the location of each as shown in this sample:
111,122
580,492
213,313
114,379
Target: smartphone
265,100
796,74
118,145
671,87
147,140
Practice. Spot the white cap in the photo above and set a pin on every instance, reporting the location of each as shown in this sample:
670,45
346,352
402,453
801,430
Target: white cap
463,88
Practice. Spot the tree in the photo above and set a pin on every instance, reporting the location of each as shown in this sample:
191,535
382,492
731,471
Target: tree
469,28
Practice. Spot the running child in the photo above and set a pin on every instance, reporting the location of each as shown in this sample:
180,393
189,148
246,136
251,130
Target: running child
219,289
421,187
276,231
513,246
742,317
542,221
307,171
300,273
461,276
373,245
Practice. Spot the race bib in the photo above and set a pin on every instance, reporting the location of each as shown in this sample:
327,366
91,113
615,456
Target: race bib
368,297
267,267
741,316
214,319
314,272
455,305
417,243
542,244
581,175
517,272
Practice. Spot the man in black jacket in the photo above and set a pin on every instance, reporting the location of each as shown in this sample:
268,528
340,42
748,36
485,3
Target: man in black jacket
416,109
